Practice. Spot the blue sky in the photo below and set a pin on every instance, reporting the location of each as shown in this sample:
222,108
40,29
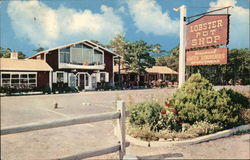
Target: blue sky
27,25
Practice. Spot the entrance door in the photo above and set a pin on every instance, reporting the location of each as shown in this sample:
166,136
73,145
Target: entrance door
82,80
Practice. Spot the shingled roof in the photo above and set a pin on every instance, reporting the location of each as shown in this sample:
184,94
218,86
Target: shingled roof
154,69
8,64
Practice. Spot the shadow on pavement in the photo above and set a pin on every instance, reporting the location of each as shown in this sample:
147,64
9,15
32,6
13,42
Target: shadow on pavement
162,156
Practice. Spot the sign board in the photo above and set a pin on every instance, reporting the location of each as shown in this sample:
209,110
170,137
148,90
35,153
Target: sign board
208,30
207,57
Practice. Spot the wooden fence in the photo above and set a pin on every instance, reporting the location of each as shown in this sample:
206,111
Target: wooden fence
120,115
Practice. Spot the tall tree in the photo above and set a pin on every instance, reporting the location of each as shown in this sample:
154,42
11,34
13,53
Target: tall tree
138,57
171,60
117,44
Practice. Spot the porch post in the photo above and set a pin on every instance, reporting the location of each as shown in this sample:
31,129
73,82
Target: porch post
50,80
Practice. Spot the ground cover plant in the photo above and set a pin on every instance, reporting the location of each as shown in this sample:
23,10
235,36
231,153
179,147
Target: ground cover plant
195,109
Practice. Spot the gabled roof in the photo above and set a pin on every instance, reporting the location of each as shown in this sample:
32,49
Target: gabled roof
87,42
161,70
154,69
9,64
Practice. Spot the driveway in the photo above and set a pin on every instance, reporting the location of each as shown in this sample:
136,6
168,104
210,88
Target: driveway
65,141
60,142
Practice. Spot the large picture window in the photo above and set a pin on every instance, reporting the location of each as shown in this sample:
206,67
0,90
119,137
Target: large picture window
81,54
98,58
19,80
65,55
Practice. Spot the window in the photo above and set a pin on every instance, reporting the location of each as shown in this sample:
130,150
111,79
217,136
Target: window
102,77
5,75
15,76
88,56
98,58
5,80
81,54
18,80
59,77
65,55
77,56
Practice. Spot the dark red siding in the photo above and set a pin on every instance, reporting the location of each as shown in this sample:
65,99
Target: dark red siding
108,61
52,59
42,78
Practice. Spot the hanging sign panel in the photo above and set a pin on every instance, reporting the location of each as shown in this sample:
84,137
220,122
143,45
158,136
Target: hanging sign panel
208,30
207,57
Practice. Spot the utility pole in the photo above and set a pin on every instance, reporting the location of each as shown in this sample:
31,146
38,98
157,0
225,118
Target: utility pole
181,76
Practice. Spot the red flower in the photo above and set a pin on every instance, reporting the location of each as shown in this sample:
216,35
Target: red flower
173,111
167,104
163,112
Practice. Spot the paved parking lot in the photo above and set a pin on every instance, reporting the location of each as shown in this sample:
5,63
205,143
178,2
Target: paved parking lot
60,142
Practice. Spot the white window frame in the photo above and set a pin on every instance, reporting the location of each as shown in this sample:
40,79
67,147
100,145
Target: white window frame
70,53
19,73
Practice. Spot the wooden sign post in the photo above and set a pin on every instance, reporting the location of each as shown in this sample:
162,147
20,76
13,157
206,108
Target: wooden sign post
204,36
181,72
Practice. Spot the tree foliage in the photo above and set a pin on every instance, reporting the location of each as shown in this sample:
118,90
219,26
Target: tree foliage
137,57
117,44
38,49
236,69
97,42
172,60
5,53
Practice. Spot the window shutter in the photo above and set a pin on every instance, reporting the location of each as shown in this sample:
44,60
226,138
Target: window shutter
54,77
65,77
106,77
98,79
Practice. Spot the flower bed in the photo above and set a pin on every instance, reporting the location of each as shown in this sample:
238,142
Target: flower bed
196,109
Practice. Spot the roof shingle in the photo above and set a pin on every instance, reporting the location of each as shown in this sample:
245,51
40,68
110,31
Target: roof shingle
24,65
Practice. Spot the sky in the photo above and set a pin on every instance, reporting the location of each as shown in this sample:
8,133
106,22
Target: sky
28,25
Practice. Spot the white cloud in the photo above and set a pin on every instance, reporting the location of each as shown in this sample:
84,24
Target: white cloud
149,18
239,23
121,9
49,27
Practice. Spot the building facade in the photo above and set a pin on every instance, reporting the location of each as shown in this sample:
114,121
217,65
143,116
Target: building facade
154,75
24,73
82,64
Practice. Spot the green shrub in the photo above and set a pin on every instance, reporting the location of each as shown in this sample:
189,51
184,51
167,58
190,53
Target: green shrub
197,101
143,133
245,114
237,98
202,128
151,114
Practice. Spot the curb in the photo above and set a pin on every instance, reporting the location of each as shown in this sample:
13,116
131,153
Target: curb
205,138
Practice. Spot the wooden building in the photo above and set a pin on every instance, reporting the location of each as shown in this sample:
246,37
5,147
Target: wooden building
24,73
82,64
154,74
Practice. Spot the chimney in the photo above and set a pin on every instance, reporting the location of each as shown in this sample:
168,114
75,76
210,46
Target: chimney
14,55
